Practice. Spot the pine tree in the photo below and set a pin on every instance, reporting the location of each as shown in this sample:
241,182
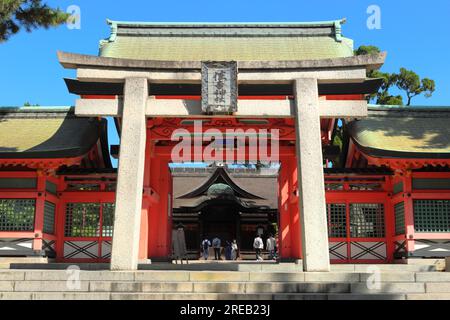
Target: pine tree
29,15
406,80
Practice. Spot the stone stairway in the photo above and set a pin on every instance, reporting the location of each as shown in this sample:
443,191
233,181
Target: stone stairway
392,282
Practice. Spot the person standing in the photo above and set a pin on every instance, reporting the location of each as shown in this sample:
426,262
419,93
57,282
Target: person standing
234,250
258,245
205,248
216,245
179,250
270,246
228,250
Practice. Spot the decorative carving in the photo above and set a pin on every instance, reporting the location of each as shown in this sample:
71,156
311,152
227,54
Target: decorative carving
165,128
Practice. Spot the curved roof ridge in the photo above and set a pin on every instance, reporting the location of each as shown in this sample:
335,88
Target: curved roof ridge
219,175
224,24
37,112
381,107
35,108
409,111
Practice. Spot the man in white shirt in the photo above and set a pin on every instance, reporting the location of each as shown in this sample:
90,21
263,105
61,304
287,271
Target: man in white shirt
258,245
270,246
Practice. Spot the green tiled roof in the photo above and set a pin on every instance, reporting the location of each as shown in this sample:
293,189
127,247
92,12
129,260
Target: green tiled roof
38,132
402,132
225,42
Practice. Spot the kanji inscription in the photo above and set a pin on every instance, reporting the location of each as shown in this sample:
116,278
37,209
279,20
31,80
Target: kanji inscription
219,87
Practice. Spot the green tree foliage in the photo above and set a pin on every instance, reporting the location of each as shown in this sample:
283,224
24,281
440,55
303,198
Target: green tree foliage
29,15
411,83
28,104
338,140
406,80
365,50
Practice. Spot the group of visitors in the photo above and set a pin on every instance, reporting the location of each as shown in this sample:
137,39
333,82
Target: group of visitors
232,251
271,247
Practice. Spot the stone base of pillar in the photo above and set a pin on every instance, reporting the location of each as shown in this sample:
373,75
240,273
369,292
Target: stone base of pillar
298,261
145,261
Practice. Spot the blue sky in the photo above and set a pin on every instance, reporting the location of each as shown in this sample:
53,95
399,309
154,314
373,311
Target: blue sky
416,35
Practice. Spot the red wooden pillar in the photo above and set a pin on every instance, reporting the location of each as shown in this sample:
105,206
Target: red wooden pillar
389,220
154,209
289,220
170,213
39,213
59,220
146,203
164,246
284,232
296,237
159,218
409,210
143,236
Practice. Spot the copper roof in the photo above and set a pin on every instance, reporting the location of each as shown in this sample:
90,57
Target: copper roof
404,132
42,132
226,41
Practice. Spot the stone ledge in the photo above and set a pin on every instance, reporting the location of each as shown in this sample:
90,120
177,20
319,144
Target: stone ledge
74,60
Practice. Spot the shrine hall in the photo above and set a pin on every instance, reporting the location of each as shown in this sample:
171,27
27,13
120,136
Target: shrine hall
335,179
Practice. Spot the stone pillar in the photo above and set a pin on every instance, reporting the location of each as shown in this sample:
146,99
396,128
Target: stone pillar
127,218
310,177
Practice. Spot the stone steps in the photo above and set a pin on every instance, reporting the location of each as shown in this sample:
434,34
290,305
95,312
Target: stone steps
190,296
385,267
225,287
206,285
241,266
213,296
224,276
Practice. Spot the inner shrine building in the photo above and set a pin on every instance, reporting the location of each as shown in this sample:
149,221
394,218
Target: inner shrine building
335,179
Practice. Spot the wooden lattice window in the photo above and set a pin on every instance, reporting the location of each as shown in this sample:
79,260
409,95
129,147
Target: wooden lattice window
107,219
337,220
17,214
399,212
367,220
49,218
431,215
82,220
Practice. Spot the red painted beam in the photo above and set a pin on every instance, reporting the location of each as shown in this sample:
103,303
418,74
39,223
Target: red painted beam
166,151
98,96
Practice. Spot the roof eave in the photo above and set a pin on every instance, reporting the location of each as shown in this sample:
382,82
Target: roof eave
398,155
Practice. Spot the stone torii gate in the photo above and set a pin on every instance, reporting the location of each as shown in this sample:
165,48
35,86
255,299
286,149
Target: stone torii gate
136,105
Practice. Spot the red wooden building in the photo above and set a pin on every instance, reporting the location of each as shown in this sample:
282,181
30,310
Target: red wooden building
383,170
